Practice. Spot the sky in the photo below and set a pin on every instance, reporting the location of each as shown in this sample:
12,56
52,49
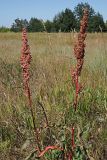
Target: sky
42,9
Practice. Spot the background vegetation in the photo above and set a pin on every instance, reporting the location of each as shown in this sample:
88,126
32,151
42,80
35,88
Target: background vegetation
65,21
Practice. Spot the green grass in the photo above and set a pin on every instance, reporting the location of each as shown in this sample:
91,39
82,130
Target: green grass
52,59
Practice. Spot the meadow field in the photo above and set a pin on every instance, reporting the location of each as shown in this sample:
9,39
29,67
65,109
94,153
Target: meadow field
53,92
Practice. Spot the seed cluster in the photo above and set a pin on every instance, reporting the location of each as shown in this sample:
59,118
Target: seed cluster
25,61
79,50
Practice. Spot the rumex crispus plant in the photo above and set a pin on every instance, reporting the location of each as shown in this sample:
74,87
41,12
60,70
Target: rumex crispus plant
25,60
79,51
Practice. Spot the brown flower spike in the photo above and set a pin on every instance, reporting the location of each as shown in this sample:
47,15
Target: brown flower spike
25,62
79,50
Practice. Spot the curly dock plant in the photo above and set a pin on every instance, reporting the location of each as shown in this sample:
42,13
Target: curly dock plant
25,64
25,60
79,51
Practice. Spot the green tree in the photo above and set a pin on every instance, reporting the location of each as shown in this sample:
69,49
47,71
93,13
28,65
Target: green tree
19,24
4,29
106,26
35,25
97,23
50,26
64,21
78,12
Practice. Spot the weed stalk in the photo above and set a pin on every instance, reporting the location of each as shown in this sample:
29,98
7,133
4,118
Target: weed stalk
79,50
25,64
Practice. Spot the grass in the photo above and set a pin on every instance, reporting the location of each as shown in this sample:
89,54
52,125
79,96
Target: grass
52,59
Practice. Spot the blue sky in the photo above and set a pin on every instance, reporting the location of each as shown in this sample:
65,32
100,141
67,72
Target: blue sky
43,9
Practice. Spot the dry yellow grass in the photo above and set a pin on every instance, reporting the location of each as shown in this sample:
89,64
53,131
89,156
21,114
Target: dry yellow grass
52,56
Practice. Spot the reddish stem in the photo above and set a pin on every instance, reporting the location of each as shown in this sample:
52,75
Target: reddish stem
73,138
49,148
25,64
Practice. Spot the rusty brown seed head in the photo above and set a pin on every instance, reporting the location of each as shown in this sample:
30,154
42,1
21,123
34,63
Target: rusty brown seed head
25,60
79,50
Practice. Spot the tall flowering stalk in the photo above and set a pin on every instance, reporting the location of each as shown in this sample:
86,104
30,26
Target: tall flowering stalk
25,61
79,50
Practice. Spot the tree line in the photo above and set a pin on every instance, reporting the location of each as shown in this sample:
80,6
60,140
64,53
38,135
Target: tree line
65,21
